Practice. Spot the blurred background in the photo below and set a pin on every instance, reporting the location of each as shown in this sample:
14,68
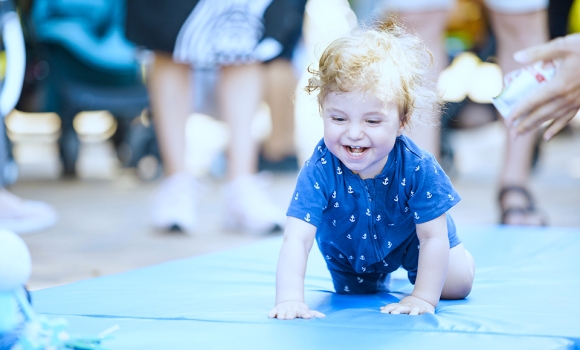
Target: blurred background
81,136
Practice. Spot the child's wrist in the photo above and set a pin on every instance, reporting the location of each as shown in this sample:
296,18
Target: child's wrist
425,299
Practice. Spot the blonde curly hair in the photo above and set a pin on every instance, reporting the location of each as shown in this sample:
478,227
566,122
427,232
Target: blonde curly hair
385,60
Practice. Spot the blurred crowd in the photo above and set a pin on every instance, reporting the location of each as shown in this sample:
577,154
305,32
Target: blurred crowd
135,72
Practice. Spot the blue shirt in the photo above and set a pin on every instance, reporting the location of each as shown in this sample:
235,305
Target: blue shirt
364,225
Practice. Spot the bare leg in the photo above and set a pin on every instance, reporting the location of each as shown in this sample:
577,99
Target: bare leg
281,83
515,32
171,102
430,27
174,206
240,92
460,274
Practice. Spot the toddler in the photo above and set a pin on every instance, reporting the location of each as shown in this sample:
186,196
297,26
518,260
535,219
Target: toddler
373,200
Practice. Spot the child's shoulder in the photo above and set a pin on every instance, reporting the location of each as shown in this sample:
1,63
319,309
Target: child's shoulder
411,151
321,154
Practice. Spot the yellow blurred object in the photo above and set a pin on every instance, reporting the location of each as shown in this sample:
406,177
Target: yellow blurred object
574,18
22,125
467,21
94,126
34,137
468,76
2,65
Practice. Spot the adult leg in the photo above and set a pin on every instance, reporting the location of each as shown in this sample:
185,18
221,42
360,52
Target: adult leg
430,26
515,32
281,83
249,205
171,99
460,274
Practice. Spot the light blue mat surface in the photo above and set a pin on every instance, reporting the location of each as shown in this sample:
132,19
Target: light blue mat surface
525,296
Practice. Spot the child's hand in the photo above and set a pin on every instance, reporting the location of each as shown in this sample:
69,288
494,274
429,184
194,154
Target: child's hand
409,305
290,310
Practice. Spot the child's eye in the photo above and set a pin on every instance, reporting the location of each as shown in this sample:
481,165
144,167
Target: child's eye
373,122
338,119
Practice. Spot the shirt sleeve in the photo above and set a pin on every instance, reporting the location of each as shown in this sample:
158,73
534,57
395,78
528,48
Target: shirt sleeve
432,193
309,198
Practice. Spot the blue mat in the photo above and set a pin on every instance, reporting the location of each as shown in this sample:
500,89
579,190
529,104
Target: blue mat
525,296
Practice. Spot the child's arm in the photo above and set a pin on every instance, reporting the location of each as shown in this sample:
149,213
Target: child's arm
431,273
298,239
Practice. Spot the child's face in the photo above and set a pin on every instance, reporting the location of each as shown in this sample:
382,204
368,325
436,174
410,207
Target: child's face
360,130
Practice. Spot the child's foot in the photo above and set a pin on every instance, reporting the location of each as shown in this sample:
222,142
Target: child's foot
174,205
250,208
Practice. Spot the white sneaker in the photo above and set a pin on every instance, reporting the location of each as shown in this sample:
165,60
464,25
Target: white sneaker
250,208
174,205
24,216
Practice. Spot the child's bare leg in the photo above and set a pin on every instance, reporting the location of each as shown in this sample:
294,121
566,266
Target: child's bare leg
460,274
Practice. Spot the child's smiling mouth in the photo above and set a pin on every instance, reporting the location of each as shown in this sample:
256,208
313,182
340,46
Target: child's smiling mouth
356,151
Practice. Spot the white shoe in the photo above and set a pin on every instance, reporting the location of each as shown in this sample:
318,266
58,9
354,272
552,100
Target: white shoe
25,216
250,208
174,204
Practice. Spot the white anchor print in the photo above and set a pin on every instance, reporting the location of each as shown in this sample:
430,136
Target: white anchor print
391,224
385,263
429,195
341,256
296,196
338,170
352,218
363,269
406,209
336,205
435,168
386,182
322,160
362,257
396,198
333,222
360,280
364,236
328,257
349,236
375,236
389,244
412,193
450,197
346,289
368,212
307,162
320,148
403,182
350,257
324,208
418,246
334,194
378,217
316,185
350,190
417,168
416,216
307,218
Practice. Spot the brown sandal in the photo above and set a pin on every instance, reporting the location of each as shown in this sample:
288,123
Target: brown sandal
528,210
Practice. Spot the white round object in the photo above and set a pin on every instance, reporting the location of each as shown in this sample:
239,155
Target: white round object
15,263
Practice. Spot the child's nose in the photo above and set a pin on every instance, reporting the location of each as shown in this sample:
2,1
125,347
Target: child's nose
355,132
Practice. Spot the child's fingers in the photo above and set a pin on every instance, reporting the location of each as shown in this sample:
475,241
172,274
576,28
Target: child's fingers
315,313
273,313
395,309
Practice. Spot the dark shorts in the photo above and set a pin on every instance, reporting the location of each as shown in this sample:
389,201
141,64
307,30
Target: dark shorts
378,276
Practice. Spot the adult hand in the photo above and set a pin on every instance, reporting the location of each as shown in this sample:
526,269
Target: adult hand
409,305
289,310
558,99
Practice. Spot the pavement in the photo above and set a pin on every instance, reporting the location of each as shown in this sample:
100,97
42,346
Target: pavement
104,225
